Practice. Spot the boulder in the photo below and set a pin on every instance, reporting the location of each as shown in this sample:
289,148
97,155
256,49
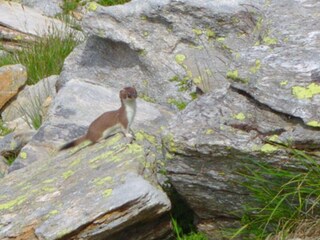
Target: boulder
99,192
159,47
105,191
272,98
12,78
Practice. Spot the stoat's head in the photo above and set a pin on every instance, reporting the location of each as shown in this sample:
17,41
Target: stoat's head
128,94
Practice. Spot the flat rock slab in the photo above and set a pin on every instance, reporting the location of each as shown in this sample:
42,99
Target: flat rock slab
27,20
91,193
12,78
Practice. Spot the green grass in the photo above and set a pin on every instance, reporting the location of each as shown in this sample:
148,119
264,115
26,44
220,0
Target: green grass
44,57
283,198
178,231
70,5
112,2
3,129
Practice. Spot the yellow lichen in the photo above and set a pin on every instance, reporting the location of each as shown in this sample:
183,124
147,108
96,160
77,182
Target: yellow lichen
92,6
313,123
48,189
197,80
268,148
210,33
180,58
67,174
12,203
75,162
198,32
49,180
256,67
239,116
102,181
269,41
107,192
209,131
23,155
273,138
284,82
306,93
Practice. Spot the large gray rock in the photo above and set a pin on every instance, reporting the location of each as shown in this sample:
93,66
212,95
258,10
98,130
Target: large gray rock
273,97
158,46
283,69
105,191
99,192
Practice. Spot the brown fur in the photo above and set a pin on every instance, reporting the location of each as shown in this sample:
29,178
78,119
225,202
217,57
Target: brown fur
108,120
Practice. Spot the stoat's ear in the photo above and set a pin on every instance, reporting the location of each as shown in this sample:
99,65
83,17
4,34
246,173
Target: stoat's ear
123,94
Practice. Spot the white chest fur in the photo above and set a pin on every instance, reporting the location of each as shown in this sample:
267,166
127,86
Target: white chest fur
130,111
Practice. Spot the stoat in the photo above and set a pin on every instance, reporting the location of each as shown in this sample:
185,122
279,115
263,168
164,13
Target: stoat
108,122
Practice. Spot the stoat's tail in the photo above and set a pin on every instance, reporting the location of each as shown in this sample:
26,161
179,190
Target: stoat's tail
73,143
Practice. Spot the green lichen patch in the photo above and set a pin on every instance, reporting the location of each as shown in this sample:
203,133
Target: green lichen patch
48,189
102,181
67,174
197,80
313,123
180,58
147,98
234,75
143,17
145,33
23,155
274,138
269,41
254,69
50,180
284,83
92,6
268,148
169,140
141,135
306,92
197,31
209,131
107,193
75,162
52,213
178,103
240,116
135,149
210,34
12,203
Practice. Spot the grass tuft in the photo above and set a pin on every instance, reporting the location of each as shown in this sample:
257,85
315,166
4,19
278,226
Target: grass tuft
44,57
112,2
283,198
